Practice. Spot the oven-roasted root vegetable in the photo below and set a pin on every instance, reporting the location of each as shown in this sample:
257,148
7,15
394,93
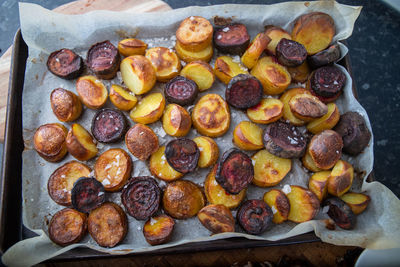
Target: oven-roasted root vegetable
165,62
182,154
176,120
255,216
284,140
243,91
225,68
325,57
340,213
141,141
274,77
80,143
138,74
109,125
269,170
158,230
354,132
65,105
215,194
209,151
290,53
108,225
131,46
87,194
50,141
183,199
307,107
103,60
267,111
248,136
122,98
200,72
181,91
141,197
231,38
318,184
190,56
326,122
314,30
149,109
211,115
275,34
255,49
235,171
194,33
113,169
91,91
340,179
326,83
300,73
358,202
279,204
217,218
304,205
67,227
325,149
65,64
160,168
287,112
62,180
309,163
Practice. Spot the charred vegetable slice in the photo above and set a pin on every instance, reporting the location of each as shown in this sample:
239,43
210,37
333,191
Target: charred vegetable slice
340,213
182,154
87,194
255,216
232,39
327,83
65,64
181,90
65,105
307,107
325,57
325,149
91,91
141,141
50,141
131,46
109,125
103,59
158,230
244,91
290,53
217,218
67,226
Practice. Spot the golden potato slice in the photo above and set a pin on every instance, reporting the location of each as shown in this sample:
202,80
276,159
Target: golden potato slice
201,73
300,73
189,56
122,98
211,116
358,202
176,120
304,205
318,184
314,30
138,74
341,178
131,46
160,167
91,91
217,218
50,141
269,170
209,151
65,105
267,111
194,33
309,163
80,143
158,230
325,149
254,51
149,109
328,121
141,141
225,68
275,34
248,136
165,62
279,204
307,107
287,112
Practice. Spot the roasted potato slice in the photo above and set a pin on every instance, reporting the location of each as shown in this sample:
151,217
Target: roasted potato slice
189,56
138,74
141,141
307,107
309,163
358,202
91,91
300,73
165,62
65,105
225,68
326,122
160,168
248,136
176,120
158,230
318,184
201,73
122,98
149,109
80,143
341,178
50,141
209,151
194,33
325,149
267,111
131,46
287,112
304,205
254,51
279,204
217,218
275,34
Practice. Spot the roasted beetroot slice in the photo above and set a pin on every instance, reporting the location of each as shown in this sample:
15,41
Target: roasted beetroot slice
284,140
87,194
232,38
109,125
244,91
326,100
325,57
327,81
290,53
340,213
181,91
141,197
235,171
255,216
182,154
65,64
103,59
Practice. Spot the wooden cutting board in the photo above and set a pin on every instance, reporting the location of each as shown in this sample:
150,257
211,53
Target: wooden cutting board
76,7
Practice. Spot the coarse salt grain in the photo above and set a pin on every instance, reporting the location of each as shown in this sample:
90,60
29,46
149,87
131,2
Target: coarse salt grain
286,189
152,221
100,194
219,36
274,210
226,29
107,167
106,181
191,18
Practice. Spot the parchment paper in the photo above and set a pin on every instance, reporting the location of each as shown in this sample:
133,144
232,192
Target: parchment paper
45,31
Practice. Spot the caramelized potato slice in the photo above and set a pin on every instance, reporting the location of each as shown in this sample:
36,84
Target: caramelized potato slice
65,105
275,34
309,163
307,107
209,151
248,136
341,178
267,111
325,149
304,205
189,56
357,202
149,109
176,120
138,74
50,141
141,141
194,33
217,218
318,184
80,143
225,68
160,167
131,46
287,112
67,227
122,98
300,73
165,62
254,51
158,230
201,73
91,91
279,204
328,121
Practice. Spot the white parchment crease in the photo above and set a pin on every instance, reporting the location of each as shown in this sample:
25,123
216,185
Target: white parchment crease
45,31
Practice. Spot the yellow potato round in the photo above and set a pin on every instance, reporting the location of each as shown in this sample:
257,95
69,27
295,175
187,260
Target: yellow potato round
279,203
65,105
300,73
225,68
131,46
254,51
80,143
267,111
309,163
201,73
138,74
176,120
209,151
194,33
287,113
304,205
91,91
165,62
318,184
341,178
189,56
328,121
160,168
275,34
307,107
122,98
149,109
358,202
50,141
248,136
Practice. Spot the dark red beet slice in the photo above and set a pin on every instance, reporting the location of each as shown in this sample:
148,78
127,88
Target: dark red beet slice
103,59
182,154
232,38
340,213
290,53
87,194
141,197
181,91
244,91
235,171
326,99
255,216
65,64
327,81
109,125
325,57
284,140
